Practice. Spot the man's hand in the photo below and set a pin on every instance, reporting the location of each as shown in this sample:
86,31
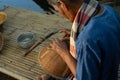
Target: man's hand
66,35
60,47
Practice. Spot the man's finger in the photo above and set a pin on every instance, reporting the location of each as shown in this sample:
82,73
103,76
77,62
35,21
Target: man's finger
64,30
65,38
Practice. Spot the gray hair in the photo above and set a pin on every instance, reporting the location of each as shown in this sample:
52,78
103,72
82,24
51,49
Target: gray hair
54,2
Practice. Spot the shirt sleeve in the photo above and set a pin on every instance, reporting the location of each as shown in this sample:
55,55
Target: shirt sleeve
88,61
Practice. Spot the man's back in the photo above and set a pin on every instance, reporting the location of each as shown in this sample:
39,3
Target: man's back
98,47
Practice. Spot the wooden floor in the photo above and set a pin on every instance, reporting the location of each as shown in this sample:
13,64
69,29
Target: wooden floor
12,61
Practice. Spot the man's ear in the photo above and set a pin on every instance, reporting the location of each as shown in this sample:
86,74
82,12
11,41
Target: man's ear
62,4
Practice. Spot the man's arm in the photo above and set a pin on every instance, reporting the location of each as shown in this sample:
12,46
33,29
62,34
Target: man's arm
62,49
71,62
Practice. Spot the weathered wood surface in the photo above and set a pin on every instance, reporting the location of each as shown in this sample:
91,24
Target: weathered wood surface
12,61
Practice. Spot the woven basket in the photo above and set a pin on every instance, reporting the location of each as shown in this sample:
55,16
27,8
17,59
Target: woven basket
3,17
52,63
1,41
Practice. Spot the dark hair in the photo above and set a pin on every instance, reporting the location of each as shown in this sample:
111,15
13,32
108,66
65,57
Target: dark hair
54,2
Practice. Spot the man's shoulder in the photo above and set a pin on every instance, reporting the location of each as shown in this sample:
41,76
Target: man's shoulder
101,27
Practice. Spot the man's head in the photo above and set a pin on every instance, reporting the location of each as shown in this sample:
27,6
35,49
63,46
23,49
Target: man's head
68,8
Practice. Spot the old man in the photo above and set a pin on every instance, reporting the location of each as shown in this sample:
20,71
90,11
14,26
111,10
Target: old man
94,39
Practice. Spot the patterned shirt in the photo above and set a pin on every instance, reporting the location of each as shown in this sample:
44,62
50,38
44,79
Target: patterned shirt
98,47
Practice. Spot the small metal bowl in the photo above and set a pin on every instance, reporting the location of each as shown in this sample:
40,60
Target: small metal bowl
26,40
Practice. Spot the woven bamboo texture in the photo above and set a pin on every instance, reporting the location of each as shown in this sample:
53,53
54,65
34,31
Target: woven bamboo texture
12,61
53,64
1,41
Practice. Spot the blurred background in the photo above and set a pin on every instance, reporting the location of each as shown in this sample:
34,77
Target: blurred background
41,6
35,5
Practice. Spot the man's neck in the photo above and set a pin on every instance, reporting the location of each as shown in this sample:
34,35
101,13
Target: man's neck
76,8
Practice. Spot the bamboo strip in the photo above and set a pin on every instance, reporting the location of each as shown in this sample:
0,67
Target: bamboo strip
19,71
14,70
14,62
12,74
37,70
17,52
25,62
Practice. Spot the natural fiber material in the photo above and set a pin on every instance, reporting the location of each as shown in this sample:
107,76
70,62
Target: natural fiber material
3,17
1,41
53,64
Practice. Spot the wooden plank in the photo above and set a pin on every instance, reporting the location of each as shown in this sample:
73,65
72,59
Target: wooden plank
6,68
12,61
12,74
20,68
23,64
